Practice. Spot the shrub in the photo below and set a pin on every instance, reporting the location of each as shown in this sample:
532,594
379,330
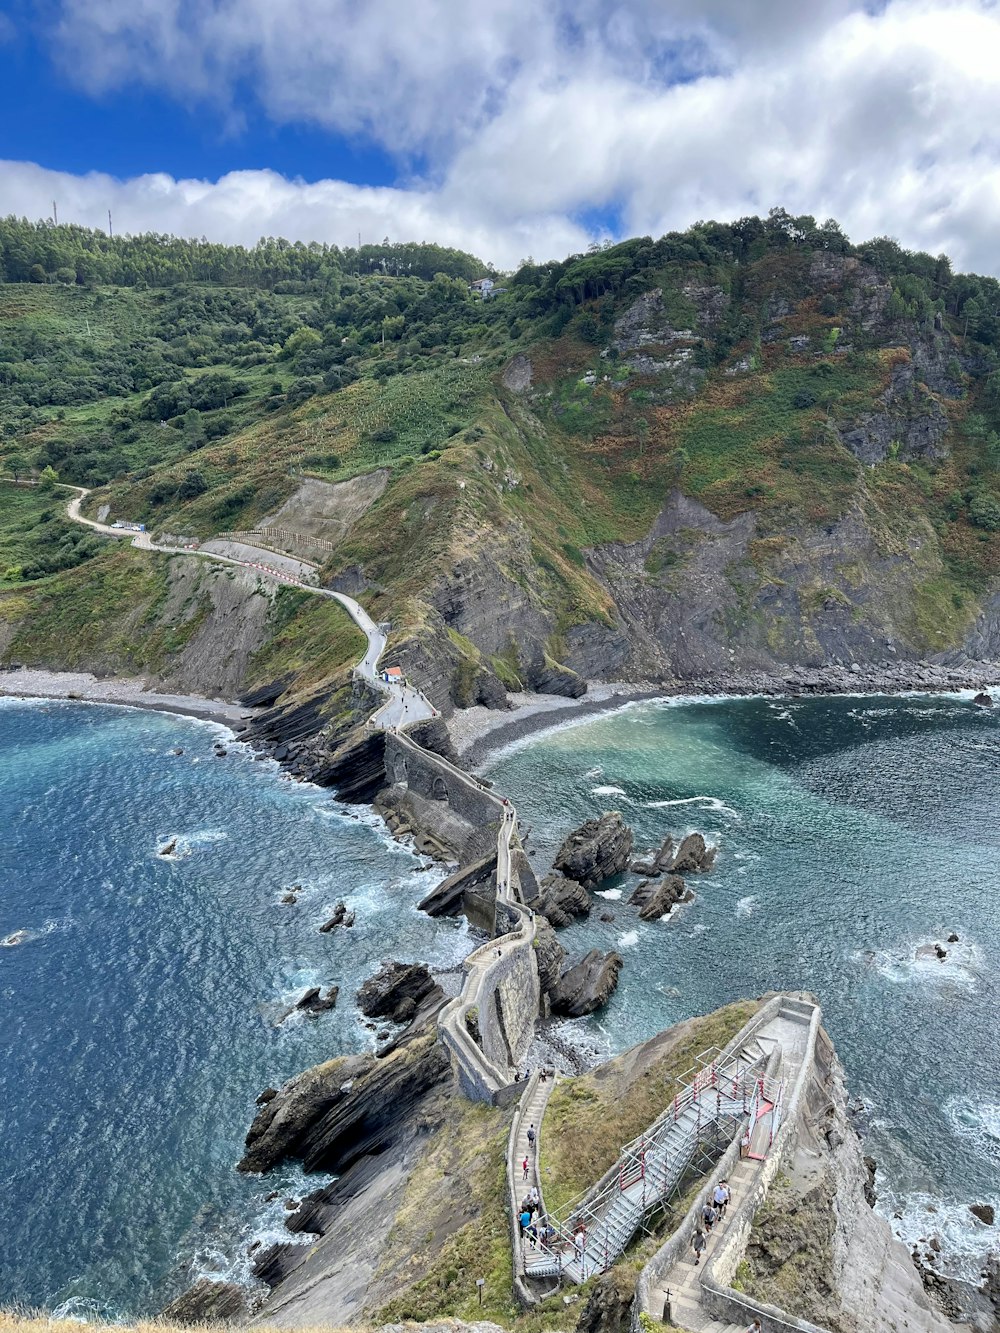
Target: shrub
985,512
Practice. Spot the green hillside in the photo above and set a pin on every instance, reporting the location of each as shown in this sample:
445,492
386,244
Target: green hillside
790,441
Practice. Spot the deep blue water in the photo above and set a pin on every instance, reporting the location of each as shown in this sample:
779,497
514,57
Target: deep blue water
138,1017
851,830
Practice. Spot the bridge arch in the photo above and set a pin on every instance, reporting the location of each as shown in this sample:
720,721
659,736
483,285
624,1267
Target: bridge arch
399,769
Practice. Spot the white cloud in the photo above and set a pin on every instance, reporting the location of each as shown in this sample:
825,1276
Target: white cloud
534,113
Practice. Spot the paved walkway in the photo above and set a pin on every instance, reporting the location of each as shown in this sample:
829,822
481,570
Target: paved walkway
684,1279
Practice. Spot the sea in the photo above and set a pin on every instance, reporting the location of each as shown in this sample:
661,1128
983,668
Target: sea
852,833
141,995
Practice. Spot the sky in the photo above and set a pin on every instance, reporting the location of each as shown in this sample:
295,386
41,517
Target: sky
511,128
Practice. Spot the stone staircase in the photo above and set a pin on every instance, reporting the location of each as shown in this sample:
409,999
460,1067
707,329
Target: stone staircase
649,1168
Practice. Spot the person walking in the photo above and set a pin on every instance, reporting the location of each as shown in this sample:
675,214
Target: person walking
531,1135
698,1244
708,1214
524,1169
579,1244
720,1197
754,1327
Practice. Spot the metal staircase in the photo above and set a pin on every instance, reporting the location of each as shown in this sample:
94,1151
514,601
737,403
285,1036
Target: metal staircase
592,1231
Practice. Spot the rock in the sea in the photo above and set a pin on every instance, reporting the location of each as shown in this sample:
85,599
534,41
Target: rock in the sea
596,850
168,848
289,898
656,897
983,700
315,1002
385,994
984,1211
562,899
549,955
209,1301
341,917
952,938
693,855
268,1095
656,862
587,985
606,916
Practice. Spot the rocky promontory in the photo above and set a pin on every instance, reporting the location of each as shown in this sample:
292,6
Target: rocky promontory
587,985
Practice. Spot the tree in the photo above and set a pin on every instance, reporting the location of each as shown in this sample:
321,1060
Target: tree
18,465
303,339
49,477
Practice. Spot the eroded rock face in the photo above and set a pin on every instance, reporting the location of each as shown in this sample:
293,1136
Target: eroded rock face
656,897
386,993
587,985
549,956
596,850
563,899
913,424
693,856
209,1301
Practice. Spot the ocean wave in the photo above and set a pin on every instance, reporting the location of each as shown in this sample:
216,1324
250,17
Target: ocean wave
699,929
594,772
629,940
918,1218
25,934
607,791
706,803
747,906
979,1122
919,963
612,894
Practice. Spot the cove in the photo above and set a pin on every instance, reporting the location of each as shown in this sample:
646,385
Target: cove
851,830
140,1007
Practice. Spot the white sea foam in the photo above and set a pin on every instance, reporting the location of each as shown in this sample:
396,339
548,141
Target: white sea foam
917,962
594,772
629,940
978,1122
612,894
917,1218
747,906
699,929
607,791
705,802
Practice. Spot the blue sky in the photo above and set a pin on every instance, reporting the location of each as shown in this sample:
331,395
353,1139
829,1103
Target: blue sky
509,127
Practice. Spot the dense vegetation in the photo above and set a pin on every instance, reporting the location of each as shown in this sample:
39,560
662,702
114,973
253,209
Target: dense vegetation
198,383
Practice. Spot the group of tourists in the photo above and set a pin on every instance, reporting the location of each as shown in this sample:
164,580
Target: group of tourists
713,1210
535,1226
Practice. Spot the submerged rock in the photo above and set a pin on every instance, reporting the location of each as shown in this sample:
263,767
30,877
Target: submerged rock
587,985
596,850
983,700
386,993
984,1211
168,848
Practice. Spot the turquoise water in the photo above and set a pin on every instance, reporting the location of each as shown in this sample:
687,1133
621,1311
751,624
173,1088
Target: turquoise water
850,830
139,1013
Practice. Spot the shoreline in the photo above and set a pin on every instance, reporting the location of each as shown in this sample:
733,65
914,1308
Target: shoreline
83,687
481,732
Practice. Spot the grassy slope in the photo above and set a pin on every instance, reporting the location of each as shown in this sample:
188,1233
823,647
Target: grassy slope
572,466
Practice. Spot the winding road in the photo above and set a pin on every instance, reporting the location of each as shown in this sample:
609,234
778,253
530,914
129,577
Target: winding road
404,705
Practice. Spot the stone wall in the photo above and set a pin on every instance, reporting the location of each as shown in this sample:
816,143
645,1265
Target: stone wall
508,1007
436,792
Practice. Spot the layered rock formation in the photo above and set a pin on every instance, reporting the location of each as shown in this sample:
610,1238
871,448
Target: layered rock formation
587,985
657,897
395,991
561,899
595,851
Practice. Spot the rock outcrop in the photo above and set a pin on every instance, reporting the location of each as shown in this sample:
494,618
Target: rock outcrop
341,917
596,850
692,856
549,956
587,985
562,899
395,991
448,898
209,1302
657,897
314,1001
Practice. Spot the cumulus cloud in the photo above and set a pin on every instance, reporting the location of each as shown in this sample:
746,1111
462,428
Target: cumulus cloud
528,116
